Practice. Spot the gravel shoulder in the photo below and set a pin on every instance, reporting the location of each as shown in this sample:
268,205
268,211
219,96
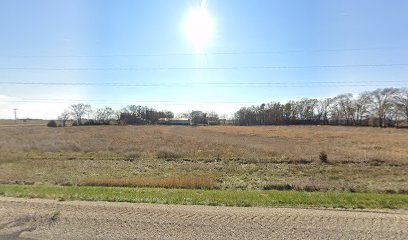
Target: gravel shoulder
50,219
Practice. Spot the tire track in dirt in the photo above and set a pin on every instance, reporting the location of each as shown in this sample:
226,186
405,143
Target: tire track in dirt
49,219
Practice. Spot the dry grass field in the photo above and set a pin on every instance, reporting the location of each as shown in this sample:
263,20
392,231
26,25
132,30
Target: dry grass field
225,157
22,122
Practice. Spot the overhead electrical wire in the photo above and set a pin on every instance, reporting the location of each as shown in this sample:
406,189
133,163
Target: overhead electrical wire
218,84
190,84
171,54
114,102
202,68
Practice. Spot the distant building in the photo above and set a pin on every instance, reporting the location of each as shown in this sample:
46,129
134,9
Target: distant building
214,122
226,122
174,121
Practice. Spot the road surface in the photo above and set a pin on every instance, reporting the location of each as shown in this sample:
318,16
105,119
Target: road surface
49,219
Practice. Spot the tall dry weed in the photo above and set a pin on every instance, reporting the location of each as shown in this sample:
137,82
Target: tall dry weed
189,182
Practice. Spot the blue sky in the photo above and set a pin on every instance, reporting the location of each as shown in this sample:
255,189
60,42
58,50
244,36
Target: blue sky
146,35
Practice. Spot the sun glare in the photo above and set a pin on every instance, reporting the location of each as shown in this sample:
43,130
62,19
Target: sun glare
198,28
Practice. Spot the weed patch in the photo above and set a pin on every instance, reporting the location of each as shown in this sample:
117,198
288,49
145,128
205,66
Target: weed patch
188,182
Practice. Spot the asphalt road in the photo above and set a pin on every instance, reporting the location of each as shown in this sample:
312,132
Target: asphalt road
49,219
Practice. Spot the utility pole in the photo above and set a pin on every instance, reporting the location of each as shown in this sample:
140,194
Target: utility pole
15,115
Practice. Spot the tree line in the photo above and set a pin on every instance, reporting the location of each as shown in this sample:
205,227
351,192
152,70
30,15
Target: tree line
83,114
382,107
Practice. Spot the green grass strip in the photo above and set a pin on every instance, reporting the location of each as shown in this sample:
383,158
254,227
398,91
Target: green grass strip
244,198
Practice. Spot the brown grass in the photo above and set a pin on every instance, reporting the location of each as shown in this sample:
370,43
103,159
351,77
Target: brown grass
188,182
23,122
363,159
339,143
256,144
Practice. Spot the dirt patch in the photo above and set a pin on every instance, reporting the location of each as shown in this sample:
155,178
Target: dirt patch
14,227
34,219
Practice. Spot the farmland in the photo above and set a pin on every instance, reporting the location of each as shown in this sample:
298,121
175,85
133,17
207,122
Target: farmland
22,122
214,157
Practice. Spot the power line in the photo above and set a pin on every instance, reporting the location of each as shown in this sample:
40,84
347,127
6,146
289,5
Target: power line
53,100
217,84
171,54
113,102
204,68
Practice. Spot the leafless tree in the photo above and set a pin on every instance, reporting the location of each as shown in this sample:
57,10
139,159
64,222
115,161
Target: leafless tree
79,110
198,117
344,108
323,108
117,115
361,108
306,108
104,115
401,101
64,117
381,102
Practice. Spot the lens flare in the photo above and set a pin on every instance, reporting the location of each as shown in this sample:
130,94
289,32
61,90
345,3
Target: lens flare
199,27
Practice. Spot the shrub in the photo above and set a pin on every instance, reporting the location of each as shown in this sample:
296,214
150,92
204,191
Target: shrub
186,182
323,157
168,154
313,188
280,187
52,123
132,155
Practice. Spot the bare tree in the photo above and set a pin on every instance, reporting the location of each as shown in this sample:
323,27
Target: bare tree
401,102
104,115
344,108
323,110
167,114
389,104
289,112
361,108
133,110
198,117
306,108
381,102
79,110
64,117
117,116
212,118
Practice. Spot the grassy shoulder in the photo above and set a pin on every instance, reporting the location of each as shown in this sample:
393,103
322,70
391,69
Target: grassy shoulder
244,198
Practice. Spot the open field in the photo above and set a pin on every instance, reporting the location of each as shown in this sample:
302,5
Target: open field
216,157
48,219
22,122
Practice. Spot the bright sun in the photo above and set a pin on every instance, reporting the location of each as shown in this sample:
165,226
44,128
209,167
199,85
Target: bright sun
199,27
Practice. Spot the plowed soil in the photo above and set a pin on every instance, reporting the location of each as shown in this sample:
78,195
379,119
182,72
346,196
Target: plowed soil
49,219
